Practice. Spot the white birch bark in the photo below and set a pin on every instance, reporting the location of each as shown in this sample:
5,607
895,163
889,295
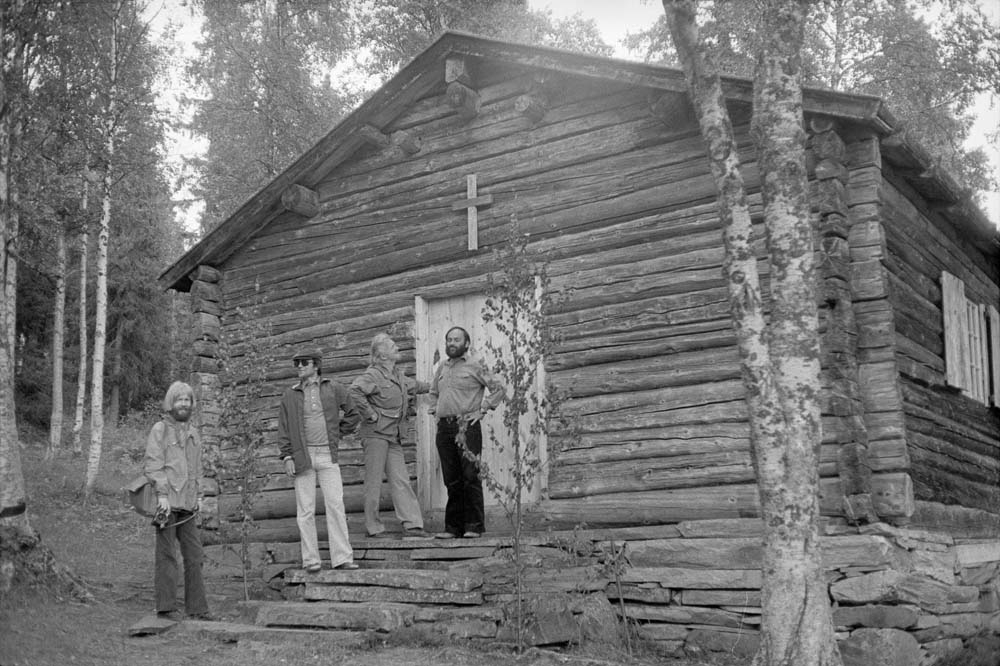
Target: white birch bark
780,362
101,269
58,337
13,505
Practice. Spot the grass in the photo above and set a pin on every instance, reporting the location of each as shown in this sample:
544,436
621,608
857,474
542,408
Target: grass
110,548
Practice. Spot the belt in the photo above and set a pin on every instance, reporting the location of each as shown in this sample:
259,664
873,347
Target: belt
448,419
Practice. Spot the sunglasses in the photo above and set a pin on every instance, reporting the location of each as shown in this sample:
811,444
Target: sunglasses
302,362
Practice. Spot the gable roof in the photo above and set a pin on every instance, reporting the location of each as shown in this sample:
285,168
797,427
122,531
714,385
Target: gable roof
425,74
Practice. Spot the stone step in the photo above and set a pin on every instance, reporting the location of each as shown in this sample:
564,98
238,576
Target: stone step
354,593
460,581
468,622
234,632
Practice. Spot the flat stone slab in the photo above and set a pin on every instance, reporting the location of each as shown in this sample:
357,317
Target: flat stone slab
359,617
234,632
370,593
151,625
395,578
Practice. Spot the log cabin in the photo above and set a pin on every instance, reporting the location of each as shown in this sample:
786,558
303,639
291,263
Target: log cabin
390,222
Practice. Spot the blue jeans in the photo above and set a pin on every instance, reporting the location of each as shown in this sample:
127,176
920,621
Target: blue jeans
464,510
165,566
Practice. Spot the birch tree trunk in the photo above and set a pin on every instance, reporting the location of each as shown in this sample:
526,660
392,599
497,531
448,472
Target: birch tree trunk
780,362
114,399
101,295
81,379
58,337
13,506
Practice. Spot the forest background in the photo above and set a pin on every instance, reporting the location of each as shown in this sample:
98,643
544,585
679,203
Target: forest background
93,213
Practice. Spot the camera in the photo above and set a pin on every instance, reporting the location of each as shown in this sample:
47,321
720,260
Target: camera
161,517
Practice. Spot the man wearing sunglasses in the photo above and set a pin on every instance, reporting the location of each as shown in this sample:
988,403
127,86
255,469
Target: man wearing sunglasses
313,415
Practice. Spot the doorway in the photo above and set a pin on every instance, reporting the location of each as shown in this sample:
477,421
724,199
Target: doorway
433,319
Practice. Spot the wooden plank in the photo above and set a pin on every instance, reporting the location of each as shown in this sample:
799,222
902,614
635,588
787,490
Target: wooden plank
994,344
956,325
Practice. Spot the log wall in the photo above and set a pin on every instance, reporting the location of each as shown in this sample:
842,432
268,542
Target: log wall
953,440
623,203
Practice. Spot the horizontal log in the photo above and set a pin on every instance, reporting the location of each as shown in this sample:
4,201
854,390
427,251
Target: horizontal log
683,471
281,504
958,521
695,367
660,447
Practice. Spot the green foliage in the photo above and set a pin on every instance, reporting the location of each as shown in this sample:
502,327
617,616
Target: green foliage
59,159
394,31
927,60
518,302
265,96
244,355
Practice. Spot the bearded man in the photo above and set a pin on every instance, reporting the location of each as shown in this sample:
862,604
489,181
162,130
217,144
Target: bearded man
173,464
459,399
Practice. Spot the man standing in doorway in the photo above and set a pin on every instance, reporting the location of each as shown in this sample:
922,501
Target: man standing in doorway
311,419
462,391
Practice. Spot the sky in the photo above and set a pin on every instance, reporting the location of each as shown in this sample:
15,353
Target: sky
615,18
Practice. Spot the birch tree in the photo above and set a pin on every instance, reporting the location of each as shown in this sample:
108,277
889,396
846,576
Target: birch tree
779,356
58,337
81,378
101,267
13,506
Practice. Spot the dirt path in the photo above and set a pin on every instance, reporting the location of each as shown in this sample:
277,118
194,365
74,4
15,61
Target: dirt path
111,548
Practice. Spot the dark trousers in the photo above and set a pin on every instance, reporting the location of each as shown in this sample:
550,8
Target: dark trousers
464,510
166,566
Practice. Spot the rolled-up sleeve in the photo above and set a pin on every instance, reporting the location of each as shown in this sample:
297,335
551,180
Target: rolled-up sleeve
494,391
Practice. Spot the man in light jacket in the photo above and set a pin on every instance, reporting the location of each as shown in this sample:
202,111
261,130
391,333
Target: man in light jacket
173,464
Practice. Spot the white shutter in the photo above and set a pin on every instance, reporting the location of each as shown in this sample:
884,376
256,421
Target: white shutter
994,317
956,331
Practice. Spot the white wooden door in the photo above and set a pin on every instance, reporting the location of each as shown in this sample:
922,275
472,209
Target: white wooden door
433,319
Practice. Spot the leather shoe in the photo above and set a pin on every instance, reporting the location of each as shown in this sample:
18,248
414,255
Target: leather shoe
347,565
172,615
469,534
380,535
314,568
415,533
445,535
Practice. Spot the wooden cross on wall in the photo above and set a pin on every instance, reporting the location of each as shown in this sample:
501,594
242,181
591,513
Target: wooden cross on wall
471,204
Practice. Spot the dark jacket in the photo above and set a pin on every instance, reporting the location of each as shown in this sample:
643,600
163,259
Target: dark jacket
341,415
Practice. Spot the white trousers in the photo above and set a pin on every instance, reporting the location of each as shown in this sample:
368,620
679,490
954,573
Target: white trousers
332,486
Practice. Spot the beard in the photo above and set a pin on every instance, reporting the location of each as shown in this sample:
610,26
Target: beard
181,414
455,352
